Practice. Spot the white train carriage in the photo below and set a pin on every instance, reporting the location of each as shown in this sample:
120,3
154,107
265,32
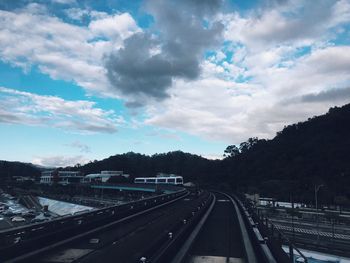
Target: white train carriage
177,180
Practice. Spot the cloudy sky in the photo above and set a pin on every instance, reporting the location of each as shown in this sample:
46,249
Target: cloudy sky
83,80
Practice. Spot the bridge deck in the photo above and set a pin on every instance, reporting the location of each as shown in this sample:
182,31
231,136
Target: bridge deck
220,236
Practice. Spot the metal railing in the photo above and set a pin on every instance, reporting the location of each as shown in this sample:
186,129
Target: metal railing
272,236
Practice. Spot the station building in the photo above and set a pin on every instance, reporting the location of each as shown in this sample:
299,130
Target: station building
103,177
60,177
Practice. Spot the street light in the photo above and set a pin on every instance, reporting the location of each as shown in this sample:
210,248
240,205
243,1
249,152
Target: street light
317,187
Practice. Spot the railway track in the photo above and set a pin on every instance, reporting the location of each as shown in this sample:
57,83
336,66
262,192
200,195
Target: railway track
220,238
27,243
131,239
226,233
198,227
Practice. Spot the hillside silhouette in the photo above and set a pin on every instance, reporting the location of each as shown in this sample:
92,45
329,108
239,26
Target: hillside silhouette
302,155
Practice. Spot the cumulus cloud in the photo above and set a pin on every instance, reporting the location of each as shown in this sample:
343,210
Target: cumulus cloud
60,49
269,67
285,67
114,26
20,107
294,23
219,109
147,64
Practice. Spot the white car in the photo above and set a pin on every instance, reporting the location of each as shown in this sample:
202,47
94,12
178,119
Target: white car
17,219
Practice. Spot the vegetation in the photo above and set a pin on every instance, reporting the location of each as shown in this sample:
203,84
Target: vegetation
301,156
9,169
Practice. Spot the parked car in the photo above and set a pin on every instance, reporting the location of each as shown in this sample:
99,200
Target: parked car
18,219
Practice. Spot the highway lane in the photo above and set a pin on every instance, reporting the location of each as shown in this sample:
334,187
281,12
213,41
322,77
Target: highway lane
220,239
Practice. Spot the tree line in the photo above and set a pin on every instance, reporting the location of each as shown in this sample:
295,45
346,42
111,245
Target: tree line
302,155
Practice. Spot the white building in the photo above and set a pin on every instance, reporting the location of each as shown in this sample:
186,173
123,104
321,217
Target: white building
103,177
61,177
47,177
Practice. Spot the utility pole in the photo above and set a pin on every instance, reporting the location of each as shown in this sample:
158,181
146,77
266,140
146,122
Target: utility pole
293,218
317,187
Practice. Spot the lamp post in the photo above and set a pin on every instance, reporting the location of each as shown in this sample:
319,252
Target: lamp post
317,187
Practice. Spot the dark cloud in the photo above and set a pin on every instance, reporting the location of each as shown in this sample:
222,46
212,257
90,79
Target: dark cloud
328,96
147,64
133,104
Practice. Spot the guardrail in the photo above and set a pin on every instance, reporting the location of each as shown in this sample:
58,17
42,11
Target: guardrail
259,243
269,238
30,237
185,241
275,233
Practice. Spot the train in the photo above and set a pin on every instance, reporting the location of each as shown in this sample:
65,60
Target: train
175,180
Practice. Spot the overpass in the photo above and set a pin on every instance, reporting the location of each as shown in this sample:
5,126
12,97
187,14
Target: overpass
181,226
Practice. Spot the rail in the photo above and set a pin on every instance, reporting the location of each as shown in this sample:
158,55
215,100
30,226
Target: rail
181,255
191,234
167,248
272,237
274,232
29,238
249,235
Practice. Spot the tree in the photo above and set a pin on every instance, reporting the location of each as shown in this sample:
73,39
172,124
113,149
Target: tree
245,146
231,151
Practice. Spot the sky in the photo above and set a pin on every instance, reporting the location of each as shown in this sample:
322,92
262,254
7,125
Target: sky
83,80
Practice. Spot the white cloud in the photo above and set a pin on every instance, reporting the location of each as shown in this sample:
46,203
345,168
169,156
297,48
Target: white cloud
59,160
213,156
76,13
281,55
218,108
62,50
28,108
297,23
119,25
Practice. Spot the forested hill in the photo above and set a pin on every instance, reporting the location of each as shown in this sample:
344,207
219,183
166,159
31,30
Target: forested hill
192,167
9,169
301,156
